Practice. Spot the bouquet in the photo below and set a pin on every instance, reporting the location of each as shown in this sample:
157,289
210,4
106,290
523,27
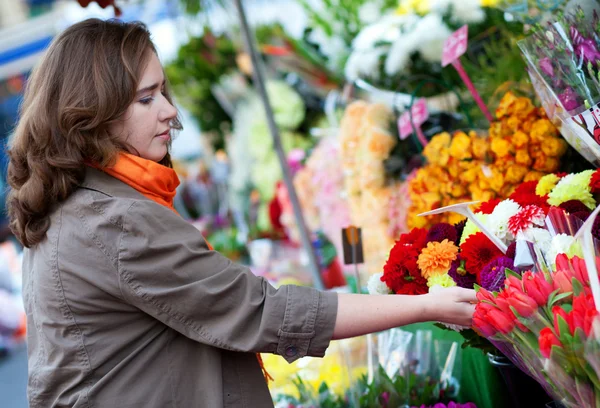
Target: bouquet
511,234
563,59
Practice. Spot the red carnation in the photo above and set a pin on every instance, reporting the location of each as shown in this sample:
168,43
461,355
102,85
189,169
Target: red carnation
478,251
595,182
488,206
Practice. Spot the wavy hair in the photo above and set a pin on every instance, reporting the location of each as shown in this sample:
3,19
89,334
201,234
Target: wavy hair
85,82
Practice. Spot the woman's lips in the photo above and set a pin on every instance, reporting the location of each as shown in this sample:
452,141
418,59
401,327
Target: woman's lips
166,136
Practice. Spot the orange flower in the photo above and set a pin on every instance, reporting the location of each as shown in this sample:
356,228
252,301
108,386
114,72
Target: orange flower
501,147
505,107
436,258
520,139
522,157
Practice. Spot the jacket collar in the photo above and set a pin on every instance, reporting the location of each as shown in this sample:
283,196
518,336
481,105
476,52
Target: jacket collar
100,181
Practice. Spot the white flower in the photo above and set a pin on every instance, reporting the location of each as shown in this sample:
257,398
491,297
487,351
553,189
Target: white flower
399,55
388,29
369,12
461,11
333,47
376,286
561,244
497,222
364,63
430,34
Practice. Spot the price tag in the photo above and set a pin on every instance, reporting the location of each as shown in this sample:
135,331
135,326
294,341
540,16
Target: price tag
455,45
419,112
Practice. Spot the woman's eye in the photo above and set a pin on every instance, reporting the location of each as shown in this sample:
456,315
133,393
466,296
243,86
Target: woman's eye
146,101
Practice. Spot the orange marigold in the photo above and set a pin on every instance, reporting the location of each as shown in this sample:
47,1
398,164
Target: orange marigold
437,258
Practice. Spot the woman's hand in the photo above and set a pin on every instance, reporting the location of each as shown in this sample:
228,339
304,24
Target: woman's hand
451,305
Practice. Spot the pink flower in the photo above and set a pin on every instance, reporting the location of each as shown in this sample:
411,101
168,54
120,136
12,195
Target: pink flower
562,281
546,66
569,99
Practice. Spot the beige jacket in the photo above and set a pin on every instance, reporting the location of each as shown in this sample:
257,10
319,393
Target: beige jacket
128,308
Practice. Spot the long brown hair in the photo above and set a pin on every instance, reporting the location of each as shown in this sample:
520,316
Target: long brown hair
85,82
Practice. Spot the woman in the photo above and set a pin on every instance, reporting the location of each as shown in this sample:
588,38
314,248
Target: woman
127,306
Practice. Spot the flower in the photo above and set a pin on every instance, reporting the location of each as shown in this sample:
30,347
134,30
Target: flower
546,66
573,187
471,228
478,251
436,258
493,274
546,184
547,339
584,47
417,237
511,251
569,99
488,206
444,281
442,231
458,273
562,244
573,206
525,219
537,287
526,194
460,227
377,286
562,281
401,273
558,311
583,313
523,304
595,182
498,220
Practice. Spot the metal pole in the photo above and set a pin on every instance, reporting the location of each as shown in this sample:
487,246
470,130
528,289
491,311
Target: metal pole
257,73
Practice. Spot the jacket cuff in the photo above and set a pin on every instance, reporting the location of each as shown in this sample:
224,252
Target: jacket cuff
307,324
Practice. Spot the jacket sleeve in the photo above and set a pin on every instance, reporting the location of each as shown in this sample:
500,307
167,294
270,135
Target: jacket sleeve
166,270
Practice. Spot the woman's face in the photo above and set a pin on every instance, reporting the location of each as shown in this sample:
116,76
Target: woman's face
146,125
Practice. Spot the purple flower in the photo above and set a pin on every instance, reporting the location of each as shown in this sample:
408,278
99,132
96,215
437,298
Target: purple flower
584,47
460,227
460,276
492,275
546,66
440,232
511,252
569,99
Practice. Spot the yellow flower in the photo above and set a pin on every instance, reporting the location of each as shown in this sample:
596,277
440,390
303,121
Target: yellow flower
523,107
541,129
469,176
522,157
554,147
480,147
546,184
489,3
520,139
436,258
501,147
513,123
533,176
444,281
546,164
460,146
413,6
515,174
496,129
496,180
505,105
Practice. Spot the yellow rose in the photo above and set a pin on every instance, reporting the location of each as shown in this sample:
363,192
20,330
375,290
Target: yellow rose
501,147
554,147
520,139
460,146
522,157
515,174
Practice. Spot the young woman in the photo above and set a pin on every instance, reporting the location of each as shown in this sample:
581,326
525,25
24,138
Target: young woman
127,305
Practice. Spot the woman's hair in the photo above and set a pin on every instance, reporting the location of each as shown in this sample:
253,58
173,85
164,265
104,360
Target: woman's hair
85,82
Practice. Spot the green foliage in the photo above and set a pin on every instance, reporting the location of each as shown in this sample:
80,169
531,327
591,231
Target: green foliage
199,65
473,340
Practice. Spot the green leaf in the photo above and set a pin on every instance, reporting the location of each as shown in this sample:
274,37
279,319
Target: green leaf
509,272
560,297
577,287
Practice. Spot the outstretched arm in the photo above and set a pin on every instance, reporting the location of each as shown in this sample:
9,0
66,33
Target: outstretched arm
362,314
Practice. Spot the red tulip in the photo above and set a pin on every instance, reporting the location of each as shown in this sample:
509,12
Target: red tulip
546,340
580,270
583,313
559,311
485,295
480,324
523,304
537,287
563,262
503,323
513,282
562,281
502,302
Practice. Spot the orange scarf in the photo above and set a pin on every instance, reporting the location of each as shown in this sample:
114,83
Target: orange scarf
158,183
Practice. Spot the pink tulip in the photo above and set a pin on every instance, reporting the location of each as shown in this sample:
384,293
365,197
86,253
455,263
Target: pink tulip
562,281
